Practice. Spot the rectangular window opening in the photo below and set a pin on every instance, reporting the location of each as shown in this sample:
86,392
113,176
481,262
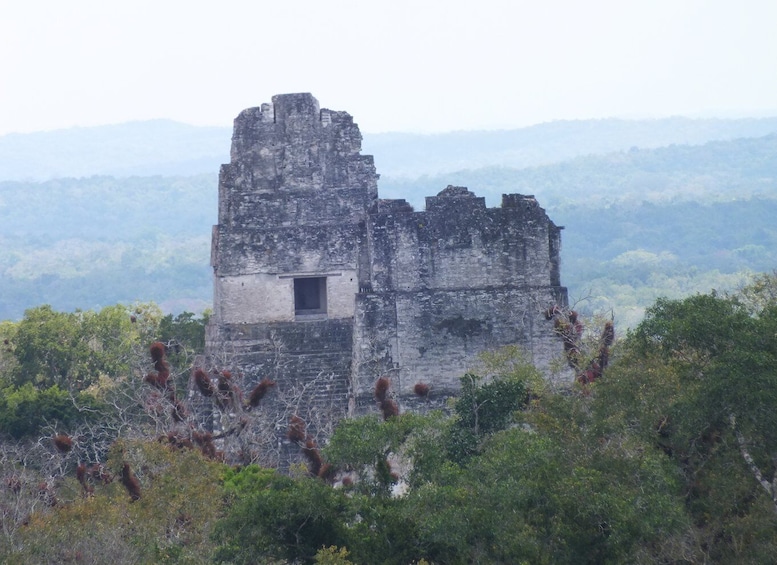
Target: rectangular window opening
310,296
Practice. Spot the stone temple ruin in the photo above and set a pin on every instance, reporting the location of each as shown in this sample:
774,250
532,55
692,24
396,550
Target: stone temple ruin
321,285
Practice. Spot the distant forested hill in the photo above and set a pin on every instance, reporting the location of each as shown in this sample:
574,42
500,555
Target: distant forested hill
410,156
103,208
622,257
163,147
92,242
155,147
716,170
640,223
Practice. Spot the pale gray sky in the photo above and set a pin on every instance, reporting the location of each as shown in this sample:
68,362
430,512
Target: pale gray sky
397,65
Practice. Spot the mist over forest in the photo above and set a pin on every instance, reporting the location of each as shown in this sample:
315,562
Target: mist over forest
96,216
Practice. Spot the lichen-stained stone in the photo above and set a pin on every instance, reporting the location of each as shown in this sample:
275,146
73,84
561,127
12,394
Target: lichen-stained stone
321,285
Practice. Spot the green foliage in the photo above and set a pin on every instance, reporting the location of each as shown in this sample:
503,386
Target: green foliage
26,411
548,495
276,517
184,336
333,556
48,346
72,350
483,408
510,362
696,380
426,444
239,481
667,457
59,370
724,358
552,493
170,523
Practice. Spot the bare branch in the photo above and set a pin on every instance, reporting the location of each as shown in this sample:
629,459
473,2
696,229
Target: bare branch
767,486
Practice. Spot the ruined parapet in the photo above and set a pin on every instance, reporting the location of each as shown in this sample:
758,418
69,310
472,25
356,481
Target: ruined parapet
459,243
287,152
451,282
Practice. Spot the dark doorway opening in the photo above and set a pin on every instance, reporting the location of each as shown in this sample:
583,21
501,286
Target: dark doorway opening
309,296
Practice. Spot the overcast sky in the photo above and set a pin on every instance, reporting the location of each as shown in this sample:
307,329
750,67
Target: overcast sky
421,66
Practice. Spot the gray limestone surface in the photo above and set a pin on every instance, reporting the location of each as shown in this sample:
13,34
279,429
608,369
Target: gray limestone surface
321,285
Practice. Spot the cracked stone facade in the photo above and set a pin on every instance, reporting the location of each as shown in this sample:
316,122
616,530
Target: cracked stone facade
322,286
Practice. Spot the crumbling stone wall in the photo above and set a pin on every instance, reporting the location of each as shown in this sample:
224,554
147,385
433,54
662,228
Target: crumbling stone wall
450,282
292,201
318,281
292,208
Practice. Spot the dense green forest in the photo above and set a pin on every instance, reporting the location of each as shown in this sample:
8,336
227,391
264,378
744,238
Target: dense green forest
666,457
86,243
